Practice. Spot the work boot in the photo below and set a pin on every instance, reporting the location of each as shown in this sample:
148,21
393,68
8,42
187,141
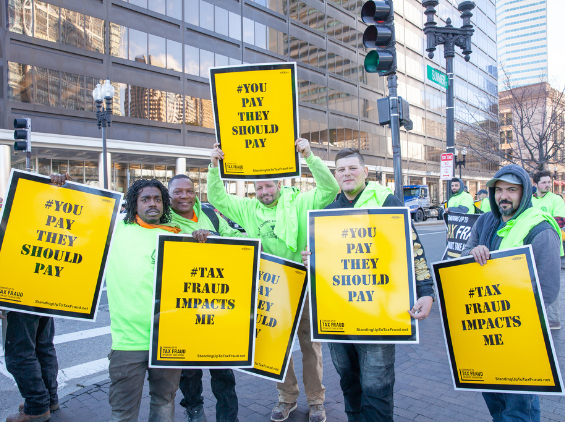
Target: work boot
282,410
196,415
52,407
22,417
317,413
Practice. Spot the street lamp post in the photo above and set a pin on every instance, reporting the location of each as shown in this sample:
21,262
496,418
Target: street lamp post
104,116
450,37
460,163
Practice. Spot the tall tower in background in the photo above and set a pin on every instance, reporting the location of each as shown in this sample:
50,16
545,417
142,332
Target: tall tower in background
522,42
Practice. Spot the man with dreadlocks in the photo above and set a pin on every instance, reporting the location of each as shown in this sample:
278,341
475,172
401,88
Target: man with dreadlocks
129,281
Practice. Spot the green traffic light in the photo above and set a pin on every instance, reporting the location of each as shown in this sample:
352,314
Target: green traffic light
378,61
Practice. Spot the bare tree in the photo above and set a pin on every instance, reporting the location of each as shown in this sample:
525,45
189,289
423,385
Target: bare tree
526,127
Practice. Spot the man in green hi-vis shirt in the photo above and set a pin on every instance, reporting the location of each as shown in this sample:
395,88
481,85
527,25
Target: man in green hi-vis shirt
190,216
460,200
278,216
129,280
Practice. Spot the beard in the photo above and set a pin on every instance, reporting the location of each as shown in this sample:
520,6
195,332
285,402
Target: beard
507,212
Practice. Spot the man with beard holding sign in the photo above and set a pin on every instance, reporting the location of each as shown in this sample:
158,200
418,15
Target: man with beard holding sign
367,370
514,222
278,216
189,215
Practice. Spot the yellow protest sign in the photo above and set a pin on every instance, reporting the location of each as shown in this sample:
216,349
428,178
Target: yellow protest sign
54,242
282,290
361,276
256,119
494,324
205,302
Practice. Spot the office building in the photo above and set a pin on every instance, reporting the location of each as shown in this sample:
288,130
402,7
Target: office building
157,54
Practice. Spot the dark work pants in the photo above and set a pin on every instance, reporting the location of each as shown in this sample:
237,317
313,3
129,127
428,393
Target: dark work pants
223,387
31,359
367,380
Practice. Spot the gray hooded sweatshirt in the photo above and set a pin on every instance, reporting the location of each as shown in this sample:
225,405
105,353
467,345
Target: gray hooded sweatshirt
544,239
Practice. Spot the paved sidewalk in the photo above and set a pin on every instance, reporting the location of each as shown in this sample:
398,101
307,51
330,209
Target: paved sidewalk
423,390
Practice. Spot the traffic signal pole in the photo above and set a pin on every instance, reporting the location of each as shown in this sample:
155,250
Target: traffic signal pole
395,135
450,114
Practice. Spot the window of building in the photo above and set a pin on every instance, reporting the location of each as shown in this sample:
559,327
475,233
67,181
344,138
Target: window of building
157,51
48,87
174,55
137,43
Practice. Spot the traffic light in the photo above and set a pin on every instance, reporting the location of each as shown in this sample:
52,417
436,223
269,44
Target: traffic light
379,14
23,131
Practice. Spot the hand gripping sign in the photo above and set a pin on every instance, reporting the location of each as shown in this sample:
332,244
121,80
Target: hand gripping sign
54,242
361,276
282,290
494,324
459,228
205,299
256,119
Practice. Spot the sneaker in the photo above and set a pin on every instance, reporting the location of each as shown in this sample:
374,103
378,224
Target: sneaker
22,417
52,407
282,410
197,415
555,325
317,413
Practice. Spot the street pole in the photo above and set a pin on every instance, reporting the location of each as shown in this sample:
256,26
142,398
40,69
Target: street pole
450,111
450,37
395,135
104,156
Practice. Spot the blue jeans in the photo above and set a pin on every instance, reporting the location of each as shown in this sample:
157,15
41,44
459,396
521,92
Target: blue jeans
31,359
223,387
367,380
513,407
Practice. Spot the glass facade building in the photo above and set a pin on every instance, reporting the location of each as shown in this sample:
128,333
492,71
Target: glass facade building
522,42
157,54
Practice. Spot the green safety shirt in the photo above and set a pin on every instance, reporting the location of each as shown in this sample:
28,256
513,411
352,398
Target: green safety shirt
130,274
485,205
374,195
188,226
282,228
515,230
465,199
550,203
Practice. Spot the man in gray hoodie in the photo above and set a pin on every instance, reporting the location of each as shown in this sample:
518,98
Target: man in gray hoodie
510,196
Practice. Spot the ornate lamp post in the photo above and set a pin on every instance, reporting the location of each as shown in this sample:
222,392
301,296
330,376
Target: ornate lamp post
104,117
450,37
460,163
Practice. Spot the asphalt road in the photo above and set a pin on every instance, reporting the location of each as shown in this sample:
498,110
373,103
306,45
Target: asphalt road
83,347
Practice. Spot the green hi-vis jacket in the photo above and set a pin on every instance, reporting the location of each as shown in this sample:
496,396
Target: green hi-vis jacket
550,203
374,195
516,230
485,205
462,199
188,226
130,275
282,228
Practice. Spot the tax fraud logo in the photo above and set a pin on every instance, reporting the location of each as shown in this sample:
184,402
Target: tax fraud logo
234,168
171,352
470,375
331,326
10,294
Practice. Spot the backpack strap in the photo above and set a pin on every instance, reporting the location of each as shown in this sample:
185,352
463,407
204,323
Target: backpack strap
214,219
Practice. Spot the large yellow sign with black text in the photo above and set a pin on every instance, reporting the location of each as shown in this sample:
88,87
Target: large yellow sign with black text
205,302
361,276
256,119
54,242
282,290
494,323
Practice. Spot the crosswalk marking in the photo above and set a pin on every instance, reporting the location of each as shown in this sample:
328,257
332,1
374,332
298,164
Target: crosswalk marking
81,335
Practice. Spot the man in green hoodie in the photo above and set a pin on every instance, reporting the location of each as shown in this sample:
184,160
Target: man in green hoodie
367,370
188,215
130,274
460,201
278,216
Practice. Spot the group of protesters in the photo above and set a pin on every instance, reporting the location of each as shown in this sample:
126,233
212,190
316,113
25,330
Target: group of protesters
277,216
